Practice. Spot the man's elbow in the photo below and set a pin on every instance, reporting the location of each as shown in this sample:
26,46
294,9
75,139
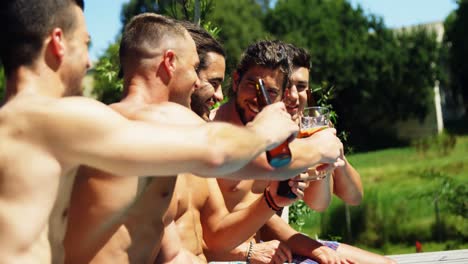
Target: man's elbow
219,159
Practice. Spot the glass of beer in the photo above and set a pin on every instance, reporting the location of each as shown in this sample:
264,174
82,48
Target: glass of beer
312,120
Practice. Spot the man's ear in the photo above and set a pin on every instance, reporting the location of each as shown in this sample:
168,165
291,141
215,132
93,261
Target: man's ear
57,43
169,62
235,81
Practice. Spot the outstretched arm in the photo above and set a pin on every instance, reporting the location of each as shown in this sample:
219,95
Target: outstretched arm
322,147
87,132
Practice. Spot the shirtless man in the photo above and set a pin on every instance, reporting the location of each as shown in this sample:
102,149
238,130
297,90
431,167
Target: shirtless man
159,62
198,210
280,236
200,217
44,137
345,182
210,71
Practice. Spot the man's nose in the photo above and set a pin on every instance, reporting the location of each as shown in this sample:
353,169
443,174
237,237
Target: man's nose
197,83
291,94
218,95
89,64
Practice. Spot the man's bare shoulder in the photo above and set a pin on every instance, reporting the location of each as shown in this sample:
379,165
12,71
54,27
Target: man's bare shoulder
37,107
58,122
165,112
38,113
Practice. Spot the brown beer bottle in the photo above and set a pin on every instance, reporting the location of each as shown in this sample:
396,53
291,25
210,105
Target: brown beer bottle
281,155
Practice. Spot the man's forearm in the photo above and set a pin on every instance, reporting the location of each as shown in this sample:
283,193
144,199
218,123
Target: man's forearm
347,184
277,228
236,146
304,157
237,254
237,226
318,194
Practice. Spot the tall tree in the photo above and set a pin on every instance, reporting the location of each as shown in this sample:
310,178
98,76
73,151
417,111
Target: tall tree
108,86
191,10
264,4
135,7
240,20
379,76
241,24
456,38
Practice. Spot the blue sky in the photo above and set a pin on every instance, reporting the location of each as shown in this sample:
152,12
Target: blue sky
103,16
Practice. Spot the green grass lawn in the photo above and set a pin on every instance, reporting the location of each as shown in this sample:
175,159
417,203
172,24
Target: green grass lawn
401,186
393,166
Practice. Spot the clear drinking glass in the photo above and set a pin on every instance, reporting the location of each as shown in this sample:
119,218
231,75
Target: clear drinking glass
312,120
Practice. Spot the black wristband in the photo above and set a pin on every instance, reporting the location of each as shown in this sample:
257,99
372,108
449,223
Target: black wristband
270,202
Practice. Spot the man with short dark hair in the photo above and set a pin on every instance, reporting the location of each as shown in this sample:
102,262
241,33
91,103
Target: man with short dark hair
44,138
279,238
199,214
210,71
159,62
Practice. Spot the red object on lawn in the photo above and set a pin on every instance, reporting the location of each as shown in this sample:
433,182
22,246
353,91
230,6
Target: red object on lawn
418,247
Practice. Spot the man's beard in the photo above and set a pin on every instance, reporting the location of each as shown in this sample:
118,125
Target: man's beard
199,107
241,113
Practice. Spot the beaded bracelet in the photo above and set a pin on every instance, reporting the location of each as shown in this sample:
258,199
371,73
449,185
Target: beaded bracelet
270,202
249,253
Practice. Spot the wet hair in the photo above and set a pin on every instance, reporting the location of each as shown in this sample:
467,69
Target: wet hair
300,57
270,54
27,23
204,41
144,34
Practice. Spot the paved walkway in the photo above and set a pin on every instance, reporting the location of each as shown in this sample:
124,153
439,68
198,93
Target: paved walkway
439,257
445,257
